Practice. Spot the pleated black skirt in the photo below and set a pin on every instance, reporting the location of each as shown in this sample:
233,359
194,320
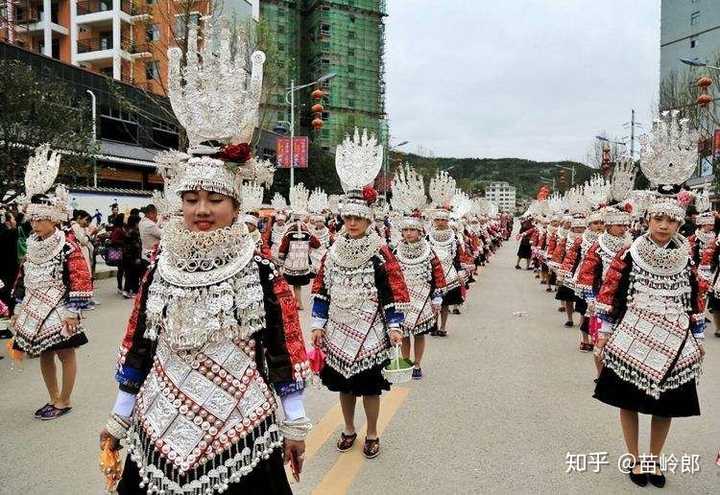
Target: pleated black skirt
268,478
565,294
676,403
368,382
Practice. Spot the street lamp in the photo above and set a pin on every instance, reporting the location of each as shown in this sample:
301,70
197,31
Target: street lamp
696,63
290,100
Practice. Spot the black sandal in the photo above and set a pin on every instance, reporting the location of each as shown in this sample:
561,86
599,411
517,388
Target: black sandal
346,442
40,411
54,413
371,449
441,333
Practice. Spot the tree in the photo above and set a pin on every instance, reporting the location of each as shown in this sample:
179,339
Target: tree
37,110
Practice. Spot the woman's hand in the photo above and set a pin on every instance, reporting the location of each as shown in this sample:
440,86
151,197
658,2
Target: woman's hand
318,335
106,436
702,349
71,325
396,336
295,449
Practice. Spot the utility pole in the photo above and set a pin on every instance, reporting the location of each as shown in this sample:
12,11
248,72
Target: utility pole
632,136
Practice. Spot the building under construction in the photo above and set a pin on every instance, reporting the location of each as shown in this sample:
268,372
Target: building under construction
318,37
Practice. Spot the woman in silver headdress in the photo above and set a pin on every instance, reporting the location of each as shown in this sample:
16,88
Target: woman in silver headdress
53,287
358,294
214,341
652,308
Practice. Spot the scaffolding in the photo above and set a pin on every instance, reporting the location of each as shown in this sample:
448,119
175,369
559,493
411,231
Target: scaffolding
345,37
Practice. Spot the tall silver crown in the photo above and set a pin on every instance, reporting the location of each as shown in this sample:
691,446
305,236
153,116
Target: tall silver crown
358,160
252,196
668,154
623,179
557,204
318,201
597,191
442,189
216,97
299,196
576,201
40,174
461,204
408,190
278,202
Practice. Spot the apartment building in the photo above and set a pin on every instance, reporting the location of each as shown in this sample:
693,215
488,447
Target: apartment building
123,39
502,194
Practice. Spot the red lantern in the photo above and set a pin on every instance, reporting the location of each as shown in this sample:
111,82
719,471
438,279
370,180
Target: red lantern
317,108
317,94
704,82
704,99
317,123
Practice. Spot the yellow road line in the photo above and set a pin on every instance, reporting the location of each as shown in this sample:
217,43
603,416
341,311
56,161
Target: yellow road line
322,431
338,480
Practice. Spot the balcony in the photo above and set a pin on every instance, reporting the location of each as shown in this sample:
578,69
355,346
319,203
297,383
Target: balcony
85,7
138,49
94,45
28,16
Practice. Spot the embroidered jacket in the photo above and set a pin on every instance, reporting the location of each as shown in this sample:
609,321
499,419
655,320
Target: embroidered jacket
357,308
47,292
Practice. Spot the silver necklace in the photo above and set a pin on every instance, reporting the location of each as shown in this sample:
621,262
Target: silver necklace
43,250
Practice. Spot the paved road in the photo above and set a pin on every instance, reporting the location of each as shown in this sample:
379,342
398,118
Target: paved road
504,400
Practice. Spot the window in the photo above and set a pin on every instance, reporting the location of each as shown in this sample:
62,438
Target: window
351,34
324,28
695,18
281,47
351,84
181,24
351,69
152,71
351,52
281,29
153,33
693,42
351,103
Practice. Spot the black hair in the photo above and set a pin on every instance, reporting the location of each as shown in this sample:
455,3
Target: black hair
118,220
40,199
135,212
78,214
150,209
133,221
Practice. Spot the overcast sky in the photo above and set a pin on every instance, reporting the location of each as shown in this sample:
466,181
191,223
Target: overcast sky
533,79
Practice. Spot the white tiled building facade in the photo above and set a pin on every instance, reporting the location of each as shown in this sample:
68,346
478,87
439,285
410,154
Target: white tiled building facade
502,194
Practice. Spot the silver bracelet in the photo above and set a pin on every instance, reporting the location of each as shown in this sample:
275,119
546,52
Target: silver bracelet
117,426
296,429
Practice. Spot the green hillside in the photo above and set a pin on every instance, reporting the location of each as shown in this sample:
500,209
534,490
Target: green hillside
472,174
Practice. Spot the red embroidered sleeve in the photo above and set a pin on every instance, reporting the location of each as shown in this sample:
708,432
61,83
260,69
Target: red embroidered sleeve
588,270
267,233
568,262
552,241
559,253
314,242
284,246
318,286
294,341
708,258
80,279
438,274
611,284
396,280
